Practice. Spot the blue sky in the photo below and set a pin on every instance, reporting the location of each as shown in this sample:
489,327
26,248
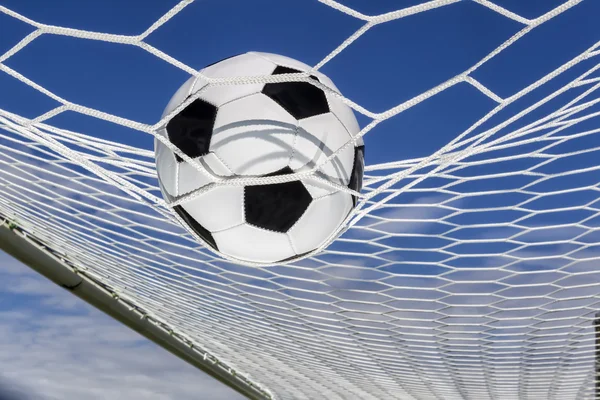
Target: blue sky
51,338
376,72
390,64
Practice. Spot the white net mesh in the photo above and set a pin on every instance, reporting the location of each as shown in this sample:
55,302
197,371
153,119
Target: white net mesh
469,273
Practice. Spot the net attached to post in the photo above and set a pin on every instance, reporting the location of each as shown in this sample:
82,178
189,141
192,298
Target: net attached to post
469,273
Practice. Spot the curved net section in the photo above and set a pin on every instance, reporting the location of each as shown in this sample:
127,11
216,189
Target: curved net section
471,273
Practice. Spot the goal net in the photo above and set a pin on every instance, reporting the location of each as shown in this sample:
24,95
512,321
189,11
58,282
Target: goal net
471,272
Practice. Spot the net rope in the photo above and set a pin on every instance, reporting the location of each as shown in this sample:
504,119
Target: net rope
465,274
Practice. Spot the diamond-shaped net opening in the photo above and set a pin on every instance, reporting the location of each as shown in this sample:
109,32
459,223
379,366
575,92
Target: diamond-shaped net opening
471,272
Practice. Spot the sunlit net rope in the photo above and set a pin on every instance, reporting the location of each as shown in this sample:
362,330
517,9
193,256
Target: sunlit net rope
470,273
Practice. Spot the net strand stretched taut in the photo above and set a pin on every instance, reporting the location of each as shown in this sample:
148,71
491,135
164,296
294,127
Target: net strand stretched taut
469,273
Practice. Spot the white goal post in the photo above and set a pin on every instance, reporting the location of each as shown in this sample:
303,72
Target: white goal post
470,273
41,258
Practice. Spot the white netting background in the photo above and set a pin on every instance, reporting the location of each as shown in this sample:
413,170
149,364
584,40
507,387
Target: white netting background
470,273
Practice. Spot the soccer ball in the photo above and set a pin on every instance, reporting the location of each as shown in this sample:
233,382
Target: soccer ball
261,130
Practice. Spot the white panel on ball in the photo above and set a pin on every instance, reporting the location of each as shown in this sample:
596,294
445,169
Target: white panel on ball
328,130
319,220
166,167
243,65
254,135
216,165
191,178
308,147
218,209
345,114
254,244
284,61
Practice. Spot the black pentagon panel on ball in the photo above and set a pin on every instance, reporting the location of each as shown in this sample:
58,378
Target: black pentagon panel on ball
191,129
276,207
358,169
199,229
300,99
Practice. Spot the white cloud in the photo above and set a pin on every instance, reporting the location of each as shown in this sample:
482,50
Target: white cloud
54,346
